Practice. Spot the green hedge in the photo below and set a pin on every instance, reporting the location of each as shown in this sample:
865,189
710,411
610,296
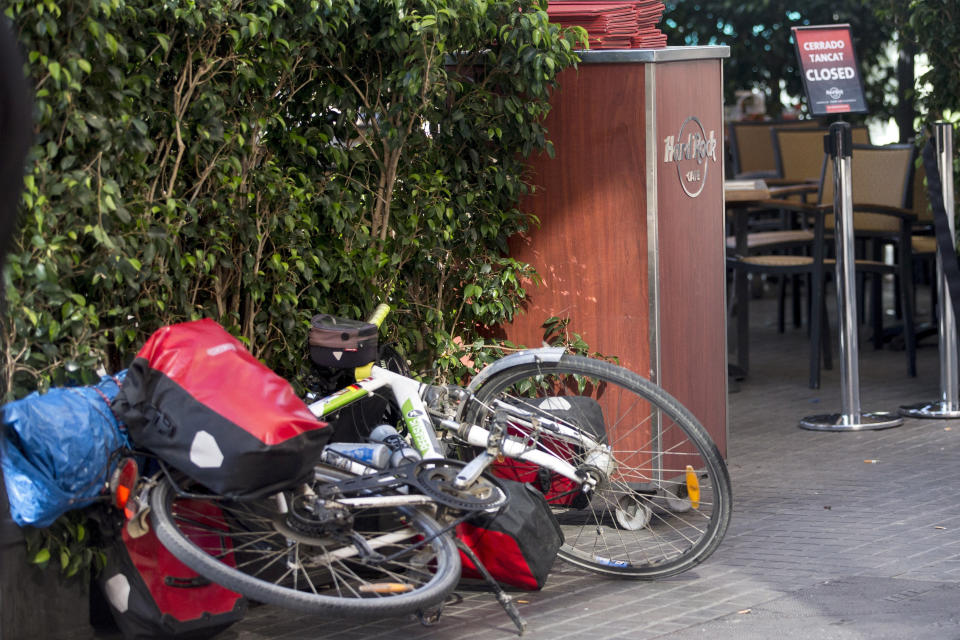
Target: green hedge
259,161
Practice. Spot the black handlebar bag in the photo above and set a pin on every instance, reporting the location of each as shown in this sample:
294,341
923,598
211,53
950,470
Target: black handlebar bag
199,400
341,343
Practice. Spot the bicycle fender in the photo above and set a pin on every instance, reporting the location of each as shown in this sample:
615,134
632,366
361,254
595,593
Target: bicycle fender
545,354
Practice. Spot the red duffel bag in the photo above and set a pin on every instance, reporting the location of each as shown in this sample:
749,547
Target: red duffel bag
199,400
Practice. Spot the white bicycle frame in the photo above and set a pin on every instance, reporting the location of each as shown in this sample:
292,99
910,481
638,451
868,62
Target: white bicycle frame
423,434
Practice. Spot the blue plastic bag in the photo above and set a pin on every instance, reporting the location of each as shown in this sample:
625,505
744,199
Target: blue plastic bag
56,449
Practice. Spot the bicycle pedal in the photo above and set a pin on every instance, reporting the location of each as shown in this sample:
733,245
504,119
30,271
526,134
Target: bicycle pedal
139,524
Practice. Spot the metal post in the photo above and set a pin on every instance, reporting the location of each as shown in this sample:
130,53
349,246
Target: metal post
840,145
949,405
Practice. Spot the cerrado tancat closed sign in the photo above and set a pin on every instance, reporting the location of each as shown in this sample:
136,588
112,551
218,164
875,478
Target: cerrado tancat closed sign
828,65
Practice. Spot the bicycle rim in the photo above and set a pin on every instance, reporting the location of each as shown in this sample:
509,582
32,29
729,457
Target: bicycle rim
663,501
377,565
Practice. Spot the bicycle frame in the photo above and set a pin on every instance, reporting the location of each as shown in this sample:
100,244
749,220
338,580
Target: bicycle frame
406,393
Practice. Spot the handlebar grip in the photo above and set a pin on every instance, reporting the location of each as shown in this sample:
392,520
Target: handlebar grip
379,314
377,318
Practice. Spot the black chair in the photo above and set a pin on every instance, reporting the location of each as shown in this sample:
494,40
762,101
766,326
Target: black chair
882,182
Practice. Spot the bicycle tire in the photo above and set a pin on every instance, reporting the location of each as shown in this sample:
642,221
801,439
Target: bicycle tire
606,532
272,564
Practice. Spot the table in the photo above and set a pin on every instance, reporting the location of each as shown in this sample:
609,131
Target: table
745,190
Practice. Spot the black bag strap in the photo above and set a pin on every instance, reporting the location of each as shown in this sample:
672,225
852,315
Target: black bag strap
945,241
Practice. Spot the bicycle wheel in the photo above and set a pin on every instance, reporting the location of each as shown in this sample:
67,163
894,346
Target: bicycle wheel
662,500
316,559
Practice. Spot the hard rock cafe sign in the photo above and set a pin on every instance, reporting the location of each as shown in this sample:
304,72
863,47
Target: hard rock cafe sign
691,150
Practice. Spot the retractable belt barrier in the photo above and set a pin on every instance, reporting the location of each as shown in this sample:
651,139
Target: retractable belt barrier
839,144
937,162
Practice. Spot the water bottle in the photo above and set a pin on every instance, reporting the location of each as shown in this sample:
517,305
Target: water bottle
371,454
358,458
401,452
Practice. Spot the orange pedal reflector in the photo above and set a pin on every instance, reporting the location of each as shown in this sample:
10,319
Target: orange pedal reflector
123,495
693,487
386,587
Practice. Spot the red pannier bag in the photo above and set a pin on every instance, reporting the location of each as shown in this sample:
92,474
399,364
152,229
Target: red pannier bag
154,596
579,411
517,544
200,401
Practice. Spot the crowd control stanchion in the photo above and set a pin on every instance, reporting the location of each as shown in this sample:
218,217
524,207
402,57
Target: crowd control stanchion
839,145
949,404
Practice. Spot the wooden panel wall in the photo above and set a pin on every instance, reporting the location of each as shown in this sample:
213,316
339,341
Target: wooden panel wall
691,255
591,247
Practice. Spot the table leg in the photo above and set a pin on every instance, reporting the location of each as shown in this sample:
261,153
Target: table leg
742,293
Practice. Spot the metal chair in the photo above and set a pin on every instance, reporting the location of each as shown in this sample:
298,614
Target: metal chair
811,265
880,173
798,151
750,146
882,182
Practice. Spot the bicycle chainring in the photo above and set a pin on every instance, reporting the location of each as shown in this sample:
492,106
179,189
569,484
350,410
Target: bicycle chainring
436,478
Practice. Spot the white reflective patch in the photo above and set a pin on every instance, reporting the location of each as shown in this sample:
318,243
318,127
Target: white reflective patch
338,354
221,348
117,590
558,403
204,451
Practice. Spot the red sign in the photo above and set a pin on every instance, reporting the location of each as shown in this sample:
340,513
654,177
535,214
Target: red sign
829,68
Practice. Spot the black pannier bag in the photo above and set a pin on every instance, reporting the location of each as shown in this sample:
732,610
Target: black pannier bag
340,343
518,543
199,400
578,411
154,596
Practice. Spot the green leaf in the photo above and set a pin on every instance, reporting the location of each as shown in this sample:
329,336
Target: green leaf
164,41
74,565
40,557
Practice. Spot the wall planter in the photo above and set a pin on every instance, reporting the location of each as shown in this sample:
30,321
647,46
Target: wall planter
37,603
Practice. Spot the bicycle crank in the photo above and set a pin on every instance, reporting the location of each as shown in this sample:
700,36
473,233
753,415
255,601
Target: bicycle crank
438,479
434,478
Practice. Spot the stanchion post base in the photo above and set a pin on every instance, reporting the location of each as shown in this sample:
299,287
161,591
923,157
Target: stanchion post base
852,422
934,410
